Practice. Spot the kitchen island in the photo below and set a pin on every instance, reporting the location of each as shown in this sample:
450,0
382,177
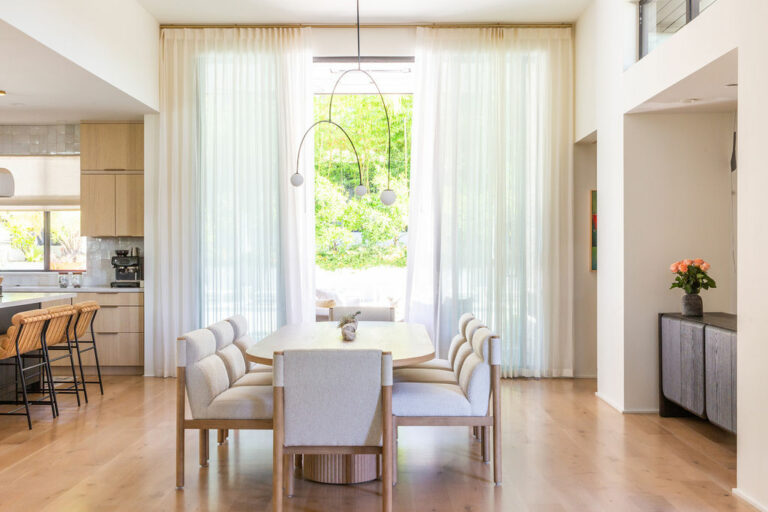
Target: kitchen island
10,304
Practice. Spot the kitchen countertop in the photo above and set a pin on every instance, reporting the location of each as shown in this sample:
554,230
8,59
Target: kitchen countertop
58,289
8,299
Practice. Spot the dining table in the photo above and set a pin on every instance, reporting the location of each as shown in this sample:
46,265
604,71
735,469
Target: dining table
409,344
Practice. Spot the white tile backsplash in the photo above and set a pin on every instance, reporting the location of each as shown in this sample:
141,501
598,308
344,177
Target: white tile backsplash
100,252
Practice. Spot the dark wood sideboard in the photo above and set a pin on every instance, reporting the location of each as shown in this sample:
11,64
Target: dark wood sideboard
697,367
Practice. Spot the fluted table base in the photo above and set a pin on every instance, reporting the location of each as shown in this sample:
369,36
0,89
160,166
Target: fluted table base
341,469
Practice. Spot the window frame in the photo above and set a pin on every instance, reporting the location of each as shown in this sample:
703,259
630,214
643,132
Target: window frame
46,242
692,10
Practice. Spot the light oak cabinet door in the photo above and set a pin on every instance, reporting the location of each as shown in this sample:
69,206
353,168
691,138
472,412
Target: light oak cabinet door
117,349
111,146
129,205
112,319
97,205
113,298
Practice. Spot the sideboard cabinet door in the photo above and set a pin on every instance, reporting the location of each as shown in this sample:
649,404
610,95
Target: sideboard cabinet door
720,347
670,359
692,366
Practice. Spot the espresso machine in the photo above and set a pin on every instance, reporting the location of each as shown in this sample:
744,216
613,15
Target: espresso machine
129,268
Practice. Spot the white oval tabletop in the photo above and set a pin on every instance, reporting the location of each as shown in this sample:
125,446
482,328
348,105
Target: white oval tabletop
408,343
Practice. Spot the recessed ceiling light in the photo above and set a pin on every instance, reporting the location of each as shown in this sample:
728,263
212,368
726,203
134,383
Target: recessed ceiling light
734,84
691,100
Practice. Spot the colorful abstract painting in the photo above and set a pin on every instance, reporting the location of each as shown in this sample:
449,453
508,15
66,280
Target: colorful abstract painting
593,220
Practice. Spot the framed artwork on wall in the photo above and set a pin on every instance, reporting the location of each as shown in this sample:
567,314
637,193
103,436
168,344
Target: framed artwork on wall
593,230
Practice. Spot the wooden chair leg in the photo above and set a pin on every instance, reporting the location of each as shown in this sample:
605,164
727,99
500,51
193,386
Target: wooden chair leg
485,438
180,404
288,477
221,436
394,455
475,433
386,451
203,447
277,451
496,383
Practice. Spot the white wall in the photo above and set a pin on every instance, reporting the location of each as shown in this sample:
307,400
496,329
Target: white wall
585,59
374,42
726,25
677,205
584,279
116,40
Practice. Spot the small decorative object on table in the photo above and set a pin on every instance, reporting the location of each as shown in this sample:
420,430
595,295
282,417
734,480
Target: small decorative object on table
692,277
348,325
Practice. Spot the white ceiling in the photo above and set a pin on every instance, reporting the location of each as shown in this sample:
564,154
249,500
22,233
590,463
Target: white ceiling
371,11
45,88
710,89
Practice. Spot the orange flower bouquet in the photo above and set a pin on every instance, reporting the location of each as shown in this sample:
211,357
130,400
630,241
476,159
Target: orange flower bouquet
691,276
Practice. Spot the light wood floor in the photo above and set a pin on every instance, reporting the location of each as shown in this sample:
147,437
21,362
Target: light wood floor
563,450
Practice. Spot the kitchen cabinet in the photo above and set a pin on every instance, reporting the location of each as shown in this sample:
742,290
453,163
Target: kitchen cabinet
111,146
111,179
129,205
119,330
97,205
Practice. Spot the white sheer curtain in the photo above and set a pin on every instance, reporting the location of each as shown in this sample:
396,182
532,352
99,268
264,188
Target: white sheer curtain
490,214
230,234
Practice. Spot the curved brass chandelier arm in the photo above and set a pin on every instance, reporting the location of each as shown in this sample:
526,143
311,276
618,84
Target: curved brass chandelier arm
354,149
383,105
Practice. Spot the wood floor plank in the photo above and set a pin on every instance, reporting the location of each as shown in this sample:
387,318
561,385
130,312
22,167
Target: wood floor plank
564,450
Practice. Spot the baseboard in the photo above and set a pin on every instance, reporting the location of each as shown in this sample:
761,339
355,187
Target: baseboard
585,376
641,411
742,495
608,401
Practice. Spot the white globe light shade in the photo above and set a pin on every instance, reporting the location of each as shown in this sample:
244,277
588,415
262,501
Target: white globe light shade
388,197
297,180
6,183
361,190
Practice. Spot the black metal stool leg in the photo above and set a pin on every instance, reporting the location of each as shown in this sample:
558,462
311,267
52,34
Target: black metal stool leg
49,373
24,389
82,373
74,374
96,356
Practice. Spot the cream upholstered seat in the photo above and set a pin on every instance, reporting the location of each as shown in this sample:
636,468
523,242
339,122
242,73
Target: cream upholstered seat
435,399
205,379
243,341
476,369
339,400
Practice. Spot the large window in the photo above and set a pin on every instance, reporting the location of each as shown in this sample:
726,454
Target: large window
41,240
361,243
40,224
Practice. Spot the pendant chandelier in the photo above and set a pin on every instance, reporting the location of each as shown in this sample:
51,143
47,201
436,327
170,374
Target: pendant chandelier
388,196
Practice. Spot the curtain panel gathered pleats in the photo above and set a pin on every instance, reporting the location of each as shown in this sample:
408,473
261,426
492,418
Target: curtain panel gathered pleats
490,226
226,232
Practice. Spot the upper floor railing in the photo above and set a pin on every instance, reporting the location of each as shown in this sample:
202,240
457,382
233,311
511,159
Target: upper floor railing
659,19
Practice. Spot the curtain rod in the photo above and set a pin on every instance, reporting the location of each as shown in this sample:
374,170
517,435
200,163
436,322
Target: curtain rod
393,25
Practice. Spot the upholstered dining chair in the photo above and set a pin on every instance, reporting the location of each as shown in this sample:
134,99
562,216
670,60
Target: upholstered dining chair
233,356
463,403
243,341
367,313
201,377
56,337
24,336
332,402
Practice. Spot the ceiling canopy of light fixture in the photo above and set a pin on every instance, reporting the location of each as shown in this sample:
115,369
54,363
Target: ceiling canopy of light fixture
388,195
